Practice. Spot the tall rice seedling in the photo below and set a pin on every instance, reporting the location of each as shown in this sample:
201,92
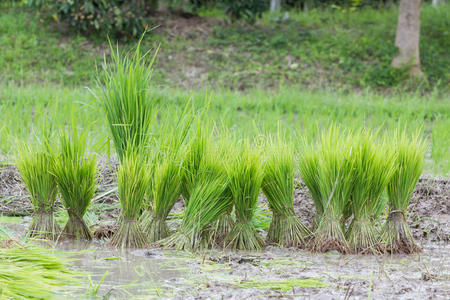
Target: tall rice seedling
246,175
285,229
36,165
196,149
209,199
408,165
76,174
326,169
126,99
29,272
133,180
166,181
373,168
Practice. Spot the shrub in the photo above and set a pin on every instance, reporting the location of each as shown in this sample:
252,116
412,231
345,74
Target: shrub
115,17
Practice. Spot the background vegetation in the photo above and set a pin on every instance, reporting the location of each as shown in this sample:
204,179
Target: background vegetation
329,63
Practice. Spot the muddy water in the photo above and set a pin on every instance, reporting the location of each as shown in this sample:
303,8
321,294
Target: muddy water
274,272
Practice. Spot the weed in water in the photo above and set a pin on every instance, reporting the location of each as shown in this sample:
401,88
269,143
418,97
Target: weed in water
246,175
133,180
409,151
36,165
76,175
285,229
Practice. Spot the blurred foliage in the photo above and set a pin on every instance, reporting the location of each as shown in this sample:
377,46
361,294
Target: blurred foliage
115,17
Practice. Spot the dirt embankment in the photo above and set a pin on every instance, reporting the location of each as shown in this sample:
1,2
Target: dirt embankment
428,217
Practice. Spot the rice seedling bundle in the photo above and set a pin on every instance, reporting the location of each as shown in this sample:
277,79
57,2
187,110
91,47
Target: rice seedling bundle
133,180
373,168
285,229
166,180
209,199
246,175
29,272
196,149
36,166
326,169
124,95
76,174
408,165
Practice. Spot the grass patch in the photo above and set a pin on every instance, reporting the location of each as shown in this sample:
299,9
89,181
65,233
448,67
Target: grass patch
283,285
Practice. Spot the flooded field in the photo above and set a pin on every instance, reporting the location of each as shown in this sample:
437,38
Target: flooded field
272,272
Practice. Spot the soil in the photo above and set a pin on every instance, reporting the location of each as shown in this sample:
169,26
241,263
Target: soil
273,272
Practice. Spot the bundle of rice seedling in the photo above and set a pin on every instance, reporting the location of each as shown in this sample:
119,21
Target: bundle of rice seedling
246,175
408,165
76,174
373,167
326,170
36,165
209,199
285,229
124,94
133,180
166,188
196,149
29,272
166,181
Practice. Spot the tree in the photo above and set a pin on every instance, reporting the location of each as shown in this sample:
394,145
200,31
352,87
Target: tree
407,37
275,5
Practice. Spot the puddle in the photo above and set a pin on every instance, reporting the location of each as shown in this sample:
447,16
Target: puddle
274,272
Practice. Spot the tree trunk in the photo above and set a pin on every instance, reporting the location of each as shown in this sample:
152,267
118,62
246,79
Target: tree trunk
407,37
275,5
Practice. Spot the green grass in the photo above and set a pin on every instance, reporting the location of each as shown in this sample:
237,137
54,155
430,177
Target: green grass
246,114
318,48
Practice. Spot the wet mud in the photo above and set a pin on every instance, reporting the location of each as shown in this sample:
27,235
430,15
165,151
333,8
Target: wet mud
271,273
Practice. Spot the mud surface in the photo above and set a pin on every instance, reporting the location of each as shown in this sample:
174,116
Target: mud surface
274,272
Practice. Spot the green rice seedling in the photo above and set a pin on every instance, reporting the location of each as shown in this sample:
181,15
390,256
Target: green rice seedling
246,175
408,165
195,150
219,230
133,180
166,181
125,97
36,166
209,199
285,229
76,174
373,168
29,272
166,188
326,169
